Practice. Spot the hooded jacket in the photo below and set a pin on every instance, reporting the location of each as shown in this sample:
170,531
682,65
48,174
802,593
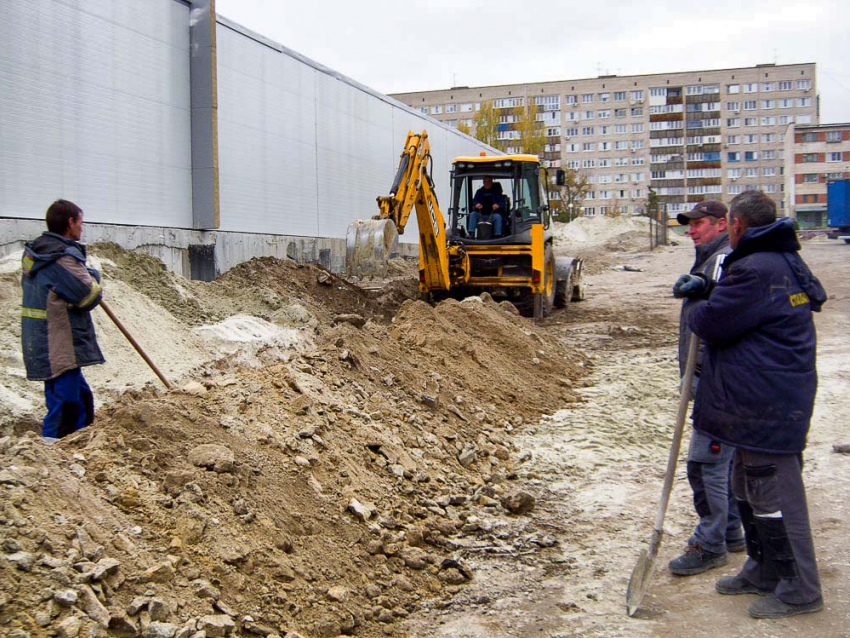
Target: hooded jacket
59,292
758,382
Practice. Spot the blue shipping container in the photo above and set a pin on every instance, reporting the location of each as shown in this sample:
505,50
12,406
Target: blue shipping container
838,203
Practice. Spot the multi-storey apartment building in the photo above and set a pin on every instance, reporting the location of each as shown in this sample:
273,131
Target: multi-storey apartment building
814,155
688,136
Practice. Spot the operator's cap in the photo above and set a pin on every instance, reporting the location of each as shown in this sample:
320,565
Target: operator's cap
707,208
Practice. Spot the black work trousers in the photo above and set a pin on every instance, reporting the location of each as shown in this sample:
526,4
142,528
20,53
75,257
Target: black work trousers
772,500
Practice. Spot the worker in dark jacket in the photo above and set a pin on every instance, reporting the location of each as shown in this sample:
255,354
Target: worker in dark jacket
489,201
709,460
57,333
757,393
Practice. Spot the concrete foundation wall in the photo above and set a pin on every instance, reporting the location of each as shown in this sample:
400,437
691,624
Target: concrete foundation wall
194,253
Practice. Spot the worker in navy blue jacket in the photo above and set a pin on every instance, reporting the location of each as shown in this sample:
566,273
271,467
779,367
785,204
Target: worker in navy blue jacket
757,392
57,332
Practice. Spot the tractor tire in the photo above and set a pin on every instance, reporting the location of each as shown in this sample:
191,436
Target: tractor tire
562,293
544,301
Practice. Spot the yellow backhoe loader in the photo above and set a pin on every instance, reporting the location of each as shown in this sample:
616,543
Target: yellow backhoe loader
498,237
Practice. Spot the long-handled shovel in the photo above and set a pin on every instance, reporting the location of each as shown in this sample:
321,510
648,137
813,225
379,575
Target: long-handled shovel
642,573
133,343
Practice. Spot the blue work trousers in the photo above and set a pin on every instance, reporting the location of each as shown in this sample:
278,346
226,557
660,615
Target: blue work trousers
70,404
709,473
495,219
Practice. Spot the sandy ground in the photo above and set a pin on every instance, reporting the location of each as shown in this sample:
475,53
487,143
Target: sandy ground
228,504
598,468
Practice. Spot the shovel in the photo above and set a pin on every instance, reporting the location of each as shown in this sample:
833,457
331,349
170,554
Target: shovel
642,573
133,343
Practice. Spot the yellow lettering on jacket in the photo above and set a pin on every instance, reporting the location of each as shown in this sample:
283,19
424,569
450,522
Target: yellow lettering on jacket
798,299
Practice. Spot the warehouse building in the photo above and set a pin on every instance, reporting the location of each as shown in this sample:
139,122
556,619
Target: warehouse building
688,136
186,135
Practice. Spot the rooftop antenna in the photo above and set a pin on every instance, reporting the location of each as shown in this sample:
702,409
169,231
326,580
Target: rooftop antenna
775,57
598,68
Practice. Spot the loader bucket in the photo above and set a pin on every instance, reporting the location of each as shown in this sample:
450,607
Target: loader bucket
369,245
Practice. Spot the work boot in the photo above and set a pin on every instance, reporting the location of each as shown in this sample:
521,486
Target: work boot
771,607
737,545
733,585
696,560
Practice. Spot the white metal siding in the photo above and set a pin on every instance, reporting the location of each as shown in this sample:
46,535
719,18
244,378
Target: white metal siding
94,107
302,150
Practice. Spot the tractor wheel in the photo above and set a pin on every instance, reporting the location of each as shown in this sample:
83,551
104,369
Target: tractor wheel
544,302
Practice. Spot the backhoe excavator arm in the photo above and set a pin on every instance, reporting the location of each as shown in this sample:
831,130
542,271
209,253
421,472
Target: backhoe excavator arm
413,188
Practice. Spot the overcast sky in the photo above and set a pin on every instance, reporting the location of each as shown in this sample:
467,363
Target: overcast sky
394,46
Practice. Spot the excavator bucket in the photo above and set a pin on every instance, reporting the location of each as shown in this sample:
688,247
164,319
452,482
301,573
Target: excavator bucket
369,245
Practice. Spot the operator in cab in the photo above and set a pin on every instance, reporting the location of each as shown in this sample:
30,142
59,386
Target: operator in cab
488,201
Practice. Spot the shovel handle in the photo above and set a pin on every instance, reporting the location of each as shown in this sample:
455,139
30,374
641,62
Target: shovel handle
673,458
135,344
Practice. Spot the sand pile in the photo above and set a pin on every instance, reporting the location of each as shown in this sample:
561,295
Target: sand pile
328,464
601,230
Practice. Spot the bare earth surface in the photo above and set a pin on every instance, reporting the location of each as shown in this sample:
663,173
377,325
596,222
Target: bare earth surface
339,460
598,466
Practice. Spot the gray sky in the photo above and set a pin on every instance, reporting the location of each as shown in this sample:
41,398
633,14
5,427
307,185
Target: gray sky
395,47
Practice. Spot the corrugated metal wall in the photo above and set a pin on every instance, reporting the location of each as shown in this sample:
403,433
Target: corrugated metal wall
94,107
304,151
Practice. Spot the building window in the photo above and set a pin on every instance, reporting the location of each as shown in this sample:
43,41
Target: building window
569,99
768,120
423,109
636,144
604,146
768,86
832,176
588,163
810,178
768,104
804,85
621,145
733,106
658,92
809,158
804,119
751,87
810,137
786,119
466,107
733,189
604,163
833,157
733,88
770,188
604,97
768,155
786,85
451,108
637,128
637,95
768,138
553,131
751,156
750,105
637,161
833,136
786,103
733,139
751,138
588,115
769,171
568,133
733,157
751,121
636,112
751,172
733,122
619,96
586,98
804,101
603,114
436,109
620,112
588,146
587,130
733,173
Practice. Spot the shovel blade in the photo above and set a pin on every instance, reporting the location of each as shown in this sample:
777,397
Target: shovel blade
369,244
642,574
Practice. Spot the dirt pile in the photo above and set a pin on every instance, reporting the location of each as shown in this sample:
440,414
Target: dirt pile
324,483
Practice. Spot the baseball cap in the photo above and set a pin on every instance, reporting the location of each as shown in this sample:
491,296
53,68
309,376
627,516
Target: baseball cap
707,208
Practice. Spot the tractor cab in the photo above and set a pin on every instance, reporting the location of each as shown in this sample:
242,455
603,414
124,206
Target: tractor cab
497,199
